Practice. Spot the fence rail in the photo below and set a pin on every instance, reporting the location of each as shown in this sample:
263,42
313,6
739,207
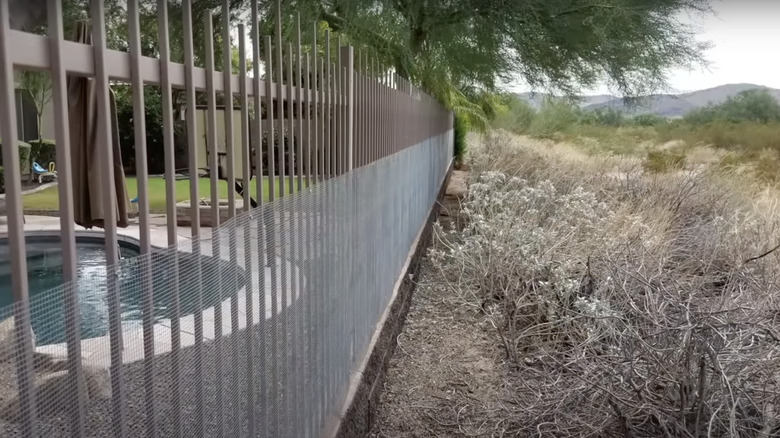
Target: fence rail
253,325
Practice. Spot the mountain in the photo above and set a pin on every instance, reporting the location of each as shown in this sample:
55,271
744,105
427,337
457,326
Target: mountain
678,105
667,105
536,99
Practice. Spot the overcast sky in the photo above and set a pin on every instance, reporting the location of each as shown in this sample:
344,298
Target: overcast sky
746,47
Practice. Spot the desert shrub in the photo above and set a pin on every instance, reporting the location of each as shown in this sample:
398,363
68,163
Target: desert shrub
744,137
649,120
554,116
629,305
757,106
603,117
660,161
517,117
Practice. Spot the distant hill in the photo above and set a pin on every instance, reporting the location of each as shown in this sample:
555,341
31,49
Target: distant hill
536,99
667,105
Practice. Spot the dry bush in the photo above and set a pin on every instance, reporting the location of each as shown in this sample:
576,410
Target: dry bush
629,304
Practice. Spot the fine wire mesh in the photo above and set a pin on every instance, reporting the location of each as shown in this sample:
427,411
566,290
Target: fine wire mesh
311,272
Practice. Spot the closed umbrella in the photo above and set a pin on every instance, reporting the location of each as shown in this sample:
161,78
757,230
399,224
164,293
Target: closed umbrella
84,143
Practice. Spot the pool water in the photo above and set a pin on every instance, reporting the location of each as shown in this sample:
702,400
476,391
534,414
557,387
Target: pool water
44,266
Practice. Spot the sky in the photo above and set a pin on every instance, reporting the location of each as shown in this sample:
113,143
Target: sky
746,47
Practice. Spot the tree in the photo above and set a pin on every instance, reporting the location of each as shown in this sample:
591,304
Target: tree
748,106
467,48
38,86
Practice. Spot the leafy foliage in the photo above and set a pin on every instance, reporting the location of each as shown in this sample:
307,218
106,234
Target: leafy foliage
748,106
38,85
474,46
604,117
43,151
459,148
555,115
24,155
155,147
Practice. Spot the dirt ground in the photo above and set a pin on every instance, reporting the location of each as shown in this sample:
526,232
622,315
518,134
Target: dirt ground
446,376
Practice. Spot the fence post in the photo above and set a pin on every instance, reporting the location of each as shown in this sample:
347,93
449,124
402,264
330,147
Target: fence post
347,55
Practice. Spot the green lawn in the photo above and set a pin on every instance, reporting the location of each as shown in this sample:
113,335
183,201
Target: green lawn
49,199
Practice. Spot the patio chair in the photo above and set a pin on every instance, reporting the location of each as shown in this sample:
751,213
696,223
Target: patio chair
41,173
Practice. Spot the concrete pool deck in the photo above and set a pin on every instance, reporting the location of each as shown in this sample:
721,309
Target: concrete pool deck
96,351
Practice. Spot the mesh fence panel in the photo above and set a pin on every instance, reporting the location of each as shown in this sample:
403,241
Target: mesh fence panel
255,328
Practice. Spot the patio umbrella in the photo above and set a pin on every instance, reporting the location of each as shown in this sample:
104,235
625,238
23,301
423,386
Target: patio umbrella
84,144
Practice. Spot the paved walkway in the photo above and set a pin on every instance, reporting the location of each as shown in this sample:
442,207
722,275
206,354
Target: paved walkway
33,189
157,228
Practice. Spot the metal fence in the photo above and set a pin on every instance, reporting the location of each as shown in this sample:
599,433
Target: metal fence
250,327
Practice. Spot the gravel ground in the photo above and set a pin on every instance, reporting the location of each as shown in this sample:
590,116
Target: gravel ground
446,377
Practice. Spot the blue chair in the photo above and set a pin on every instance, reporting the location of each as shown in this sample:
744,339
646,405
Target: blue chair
40,172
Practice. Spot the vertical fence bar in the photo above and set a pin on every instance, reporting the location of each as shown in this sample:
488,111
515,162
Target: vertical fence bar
315,106
390,113
170,208
320,119
25,374
67,231
281,394
192,148
301,161
394,109
269,223
227,70
213,160
271,144
288,297
348,60
337,117
372,111
258,163
380,145
106,159
321,231
271,230
246,176
291,159
358,107
314,255
299,81
382,109
147,286
343,258
328,107
279,94
307,357
332,244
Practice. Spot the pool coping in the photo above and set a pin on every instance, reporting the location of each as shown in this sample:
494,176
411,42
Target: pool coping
96,351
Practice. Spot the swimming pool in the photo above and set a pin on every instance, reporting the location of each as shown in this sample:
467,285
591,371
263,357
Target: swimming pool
44,266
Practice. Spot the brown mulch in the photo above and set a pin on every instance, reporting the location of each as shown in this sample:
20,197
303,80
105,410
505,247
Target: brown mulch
446,376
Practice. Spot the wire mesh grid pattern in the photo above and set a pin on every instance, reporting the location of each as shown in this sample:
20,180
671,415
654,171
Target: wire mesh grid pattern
253,326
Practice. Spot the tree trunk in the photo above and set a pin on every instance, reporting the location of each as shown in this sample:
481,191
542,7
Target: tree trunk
34,156
417,37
